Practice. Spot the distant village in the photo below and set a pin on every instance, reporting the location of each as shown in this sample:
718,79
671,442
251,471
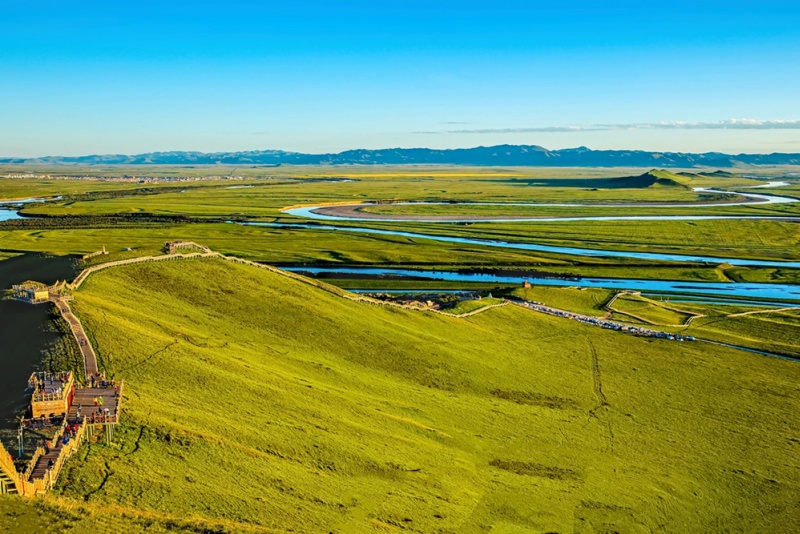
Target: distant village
146,179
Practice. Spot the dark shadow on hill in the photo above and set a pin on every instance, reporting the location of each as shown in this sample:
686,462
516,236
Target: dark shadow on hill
650,179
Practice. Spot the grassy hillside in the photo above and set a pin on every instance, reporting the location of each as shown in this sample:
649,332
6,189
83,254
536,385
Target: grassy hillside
588,301
648,311
767,330
256,403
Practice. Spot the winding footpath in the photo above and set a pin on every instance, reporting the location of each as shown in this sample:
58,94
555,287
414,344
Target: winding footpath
89,356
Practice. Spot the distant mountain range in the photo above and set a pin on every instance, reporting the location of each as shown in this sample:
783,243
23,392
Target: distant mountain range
508,155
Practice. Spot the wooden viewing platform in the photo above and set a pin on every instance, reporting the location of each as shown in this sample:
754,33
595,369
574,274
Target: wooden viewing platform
89,409
52,393
31,292
59,404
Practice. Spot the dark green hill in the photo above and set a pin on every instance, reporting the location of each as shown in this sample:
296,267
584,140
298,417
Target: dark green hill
653,178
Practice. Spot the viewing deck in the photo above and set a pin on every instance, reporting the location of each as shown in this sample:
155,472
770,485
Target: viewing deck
98,405
61,409
52,393
89,408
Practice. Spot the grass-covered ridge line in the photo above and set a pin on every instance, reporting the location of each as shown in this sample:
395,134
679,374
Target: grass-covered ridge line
350,417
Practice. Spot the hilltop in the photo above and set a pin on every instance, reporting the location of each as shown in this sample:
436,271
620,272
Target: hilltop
510,155
652,178
257,403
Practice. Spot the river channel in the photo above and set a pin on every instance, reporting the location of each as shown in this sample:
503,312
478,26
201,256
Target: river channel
355,212
762,292
572,251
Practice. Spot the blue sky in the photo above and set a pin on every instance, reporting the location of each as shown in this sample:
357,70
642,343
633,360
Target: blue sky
316,76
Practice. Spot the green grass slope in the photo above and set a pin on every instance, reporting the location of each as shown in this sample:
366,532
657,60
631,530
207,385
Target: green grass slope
588,301
256,403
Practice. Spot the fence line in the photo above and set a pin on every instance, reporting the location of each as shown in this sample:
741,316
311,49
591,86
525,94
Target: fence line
208,253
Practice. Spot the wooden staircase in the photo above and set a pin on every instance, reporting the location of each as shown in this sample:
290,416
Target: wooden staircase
9,477
43,463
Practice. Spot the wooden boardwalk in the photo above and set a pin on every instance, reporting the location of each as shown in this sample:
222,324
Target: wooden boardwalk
85,402
45,462
89,356
86,406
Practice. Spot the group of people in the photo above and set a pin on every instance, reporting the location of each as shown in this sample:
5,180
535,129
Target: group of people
49,383
43,421
97,380
70,431
100,415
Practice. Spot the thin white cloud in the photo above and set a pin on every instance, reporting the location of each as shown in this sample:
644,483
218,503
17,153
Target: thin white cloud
545,129
730,124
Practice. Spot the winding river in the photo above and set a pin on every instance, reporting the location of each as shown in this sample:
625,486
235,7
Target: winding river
321,212
354,212
718,289
572,251
8,214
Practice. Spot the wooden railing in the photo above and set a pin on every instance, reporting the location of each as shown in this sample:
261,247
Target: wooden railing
81,278
48,481
44,397
7,464
32,464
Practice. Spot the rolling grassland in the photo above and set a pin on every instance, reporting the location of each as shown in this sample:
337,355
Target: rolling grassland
257,403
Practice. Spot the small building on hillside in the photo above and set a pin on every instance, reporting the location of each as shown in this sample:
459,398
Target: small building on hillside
172,247
33,292
52,393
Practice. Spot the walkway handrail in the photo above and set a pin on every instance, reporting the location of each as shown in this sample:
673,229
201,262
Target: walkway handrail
7,464
89,270
51,475
32,464
64,309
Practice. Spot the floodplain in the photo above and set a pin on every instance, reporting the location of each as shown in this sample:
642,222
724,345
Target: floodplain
361,415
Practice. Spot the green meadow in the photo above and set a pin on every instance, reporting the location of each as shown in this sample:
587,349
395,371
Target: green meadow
255,402
258,403
648,311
